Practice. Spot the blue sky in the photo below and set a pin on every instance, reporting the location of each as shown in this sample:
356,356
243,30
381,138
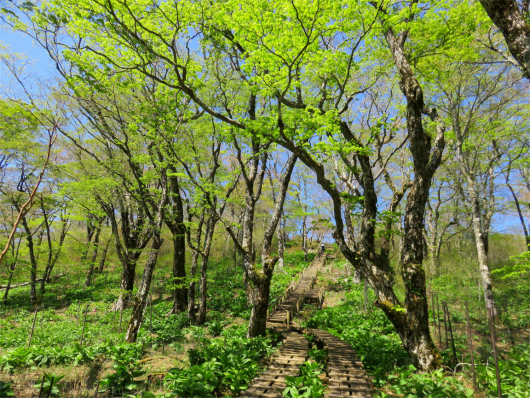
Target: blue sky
20,43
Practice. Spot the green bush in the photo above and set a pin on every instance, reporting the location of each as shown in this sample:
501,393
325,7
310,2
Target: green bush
406,383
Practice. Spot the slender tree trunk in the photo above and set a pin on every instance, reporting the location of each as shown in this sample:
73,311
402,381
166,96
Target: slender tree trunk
304,237
180,293
51,264
92,264
281,242
140,300
104,256
33,261
11,273
178,229
259,289
520,214
127,282
482,252
201,315
192,286
50,248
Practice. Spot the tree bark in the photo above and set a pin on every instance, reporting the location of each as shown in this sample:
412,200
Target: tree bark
33,261
260,279
104,256
210,228
192,286
140,299
520,214
412,324
92,264
259,298
51,264
178,229
11,267
281,242
134,237
482,252
509,19
304,237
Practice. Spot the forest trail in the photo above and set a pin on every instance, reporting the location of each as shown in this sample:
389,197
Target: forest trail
345,373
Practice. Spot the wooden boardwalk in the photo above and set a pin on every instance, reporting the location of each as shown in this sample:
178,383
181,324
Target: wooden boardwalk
345,372
295,298
286,362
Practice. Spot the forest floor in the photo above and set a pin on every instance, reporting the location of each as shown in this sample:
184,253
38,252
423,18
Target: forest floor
215,359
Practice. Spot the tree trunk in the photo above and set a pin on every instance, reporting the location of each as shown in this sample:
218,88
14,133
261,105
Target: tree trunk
210,228
412,322
140,300
50,248
178,229
11,273
259,298
304,237
520,214
192,286
281,242
180,293
127,282
33,261
482,252
507,16
51,264
260,279
104,256
92,264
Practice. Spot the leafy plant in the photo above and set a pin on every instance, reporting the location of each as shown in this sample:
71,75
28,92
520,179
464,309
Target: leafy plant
407,383
6,389
215,327
50,381
126,368
318,355
239,373
307,385
123,380
196,381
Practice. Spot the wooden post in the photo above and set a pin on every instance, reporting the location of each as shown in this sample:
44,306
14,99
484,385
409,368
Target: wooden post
33,327
470,344
494,347
84,322
41,385
51,386
451,333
